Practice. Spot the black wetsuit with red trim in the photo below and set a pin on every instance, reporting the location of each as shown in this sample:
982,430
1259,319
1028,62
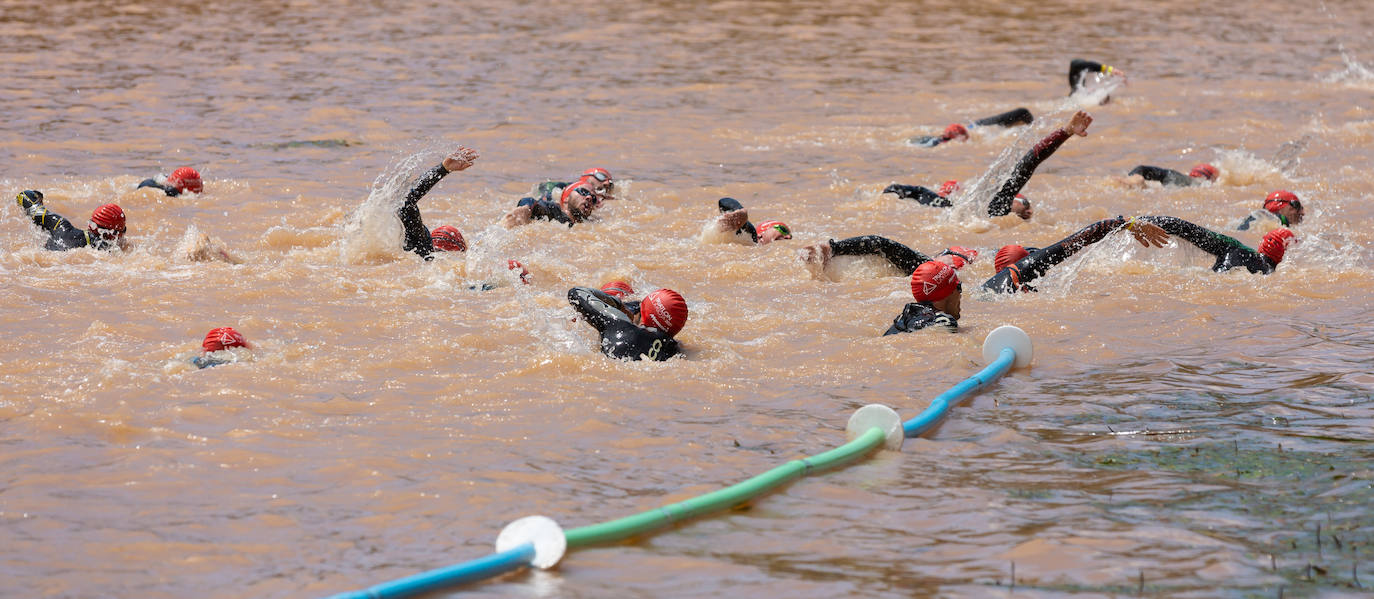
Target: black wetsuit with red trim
1230,252
1001,202
621,337
417,237
167,189
62,234
1034,265
1165,176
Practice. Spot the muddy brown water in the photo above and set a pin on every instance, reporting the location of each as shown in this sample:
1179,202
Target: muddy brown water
394,419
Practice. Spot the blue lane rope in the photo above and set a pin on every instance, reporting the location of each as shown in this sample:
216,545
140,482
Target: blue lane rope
940,406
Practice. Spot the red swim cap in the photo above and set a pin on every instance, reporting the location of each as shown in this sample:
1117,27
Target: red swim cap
598,173
109,216
448,239
618,289
664,310
222,337
954,131
961,256
516,265
948,187
933,281
1275,200
782,228
185,179
1204,171
1275,243
1008,256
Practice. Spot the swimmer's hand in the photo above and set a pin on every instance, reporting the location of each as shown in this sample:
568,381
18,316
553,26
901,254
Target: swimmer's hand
522,215
1147,234
732,220
460,159
1078,124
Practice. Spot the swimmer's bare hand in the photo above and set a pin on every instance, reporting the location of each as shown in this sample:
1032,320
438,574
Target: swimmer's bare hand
1148,234
1078,124
732,220
460,159
522,215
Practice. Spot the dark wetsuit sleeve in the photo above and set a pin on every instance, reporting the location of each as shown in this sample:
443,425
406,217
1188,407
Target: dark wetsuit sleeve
62,235
922,195
1001,203
903,257
545,210
1020,116
1229,251
1038,262
731,205
417,236
167,189
597,307
1078,68
1163,175
919,315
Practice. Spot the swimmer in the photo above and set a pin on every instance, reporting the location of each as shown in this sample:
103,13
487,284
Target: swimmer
1280,206
1087,75
105,231
817,257
734,218
576,203
217,348
1017,266
182,180
647,336
959,132
599,178
1229,252
934,283
419,239
1008,199
1201,173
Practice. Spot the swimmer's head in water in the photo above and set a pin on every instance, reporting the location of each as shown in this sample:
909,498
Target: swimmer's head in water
1204,171
1008,256
947,188
186,179
223,338
772,230
1285,204
957,256
447,238
579,200
953,132
600,180
933,281
665,310
107,224
618,289
1021,206
1275,244
35,197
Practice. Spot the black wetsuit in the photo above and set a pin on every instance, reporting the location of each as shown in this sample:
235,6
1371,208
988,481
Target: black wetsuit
1230,253
1001,202
731,205
1016,276
916,315
1011,118
62,235
1163,175
1258,214
901,256
417,236
1079,70
621,337
167,189
919,315
545,210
